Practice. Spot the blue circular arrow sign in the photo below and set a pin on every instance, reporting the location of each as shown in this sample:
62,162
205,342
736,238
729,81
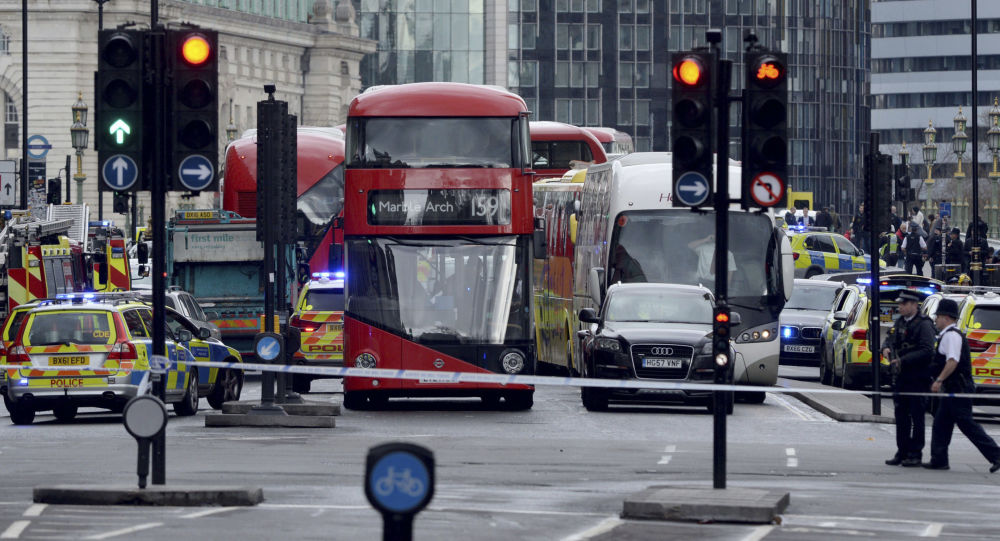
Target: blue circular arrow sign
399,482
196,172
38,142
692,189
267,348
119,172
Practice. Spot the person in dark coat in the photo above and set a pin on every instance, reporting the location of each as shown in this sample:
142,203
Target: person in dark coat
952,368
935,249
823,219
983,230
915,248
910,349
790,218
953,252
894,218
859,230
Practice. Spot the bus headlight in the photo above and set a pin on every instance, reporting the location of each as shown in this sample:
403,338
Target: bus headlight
763,333
365,360
512,361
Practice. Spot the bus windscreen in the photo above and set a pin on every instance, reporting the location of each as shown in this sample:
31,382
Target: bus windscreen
434,142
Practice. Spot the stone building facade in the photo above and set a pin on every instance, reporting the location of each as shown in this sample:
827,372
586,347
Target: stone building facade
309,49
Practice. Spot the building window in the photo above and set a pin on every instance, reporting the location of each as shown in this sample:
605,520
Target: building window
562,111
593,37
562,6
593,6
642,112
593,74
642,33
4,42
562,74
529,71
625,37
624,6
513,72
593,112
528,35
643,144
576,74
576,36
532,104
624,112
642,70
576,6
562,36
11,109
642,6
625,74
576,112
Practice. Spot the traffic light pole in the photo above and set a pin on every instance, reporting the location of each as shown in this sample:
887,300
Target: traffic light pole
158,191
720,399
874,313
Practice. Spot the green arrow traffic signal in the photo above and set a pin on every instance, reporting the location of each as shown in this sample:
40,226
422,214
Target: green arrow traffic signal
119,129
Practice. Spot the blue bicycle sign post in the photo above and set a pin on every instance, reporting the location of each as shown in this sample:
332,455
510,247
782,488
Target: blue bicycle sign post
399,483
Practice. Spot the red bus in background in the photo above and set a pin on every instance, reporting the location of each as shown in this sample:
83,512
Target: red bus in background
557,148
320,191
613,141
438,230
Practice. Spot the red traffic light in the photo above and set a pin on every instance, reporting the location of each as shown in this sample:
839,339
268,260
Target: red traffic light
196,50
722,317
689,72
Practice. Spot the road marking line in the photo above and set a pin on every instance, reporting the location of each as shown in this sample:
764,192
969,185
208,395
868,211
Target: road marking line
601,527
35,510
788,406
123,531
670,449
933,530
760,532
14,530
207,512
665,459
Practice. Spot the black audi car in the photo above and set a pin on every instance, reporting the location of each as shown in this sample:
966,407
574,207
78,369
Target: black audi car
802,321
655,332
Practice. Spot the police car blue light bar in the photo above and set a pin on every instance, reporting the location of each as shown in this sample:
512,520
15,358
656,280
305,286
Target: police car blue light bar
865,281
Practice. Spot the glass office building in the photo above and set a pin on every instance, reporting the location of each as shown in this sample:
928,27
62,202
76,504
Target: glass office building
289,10
607,63
423,40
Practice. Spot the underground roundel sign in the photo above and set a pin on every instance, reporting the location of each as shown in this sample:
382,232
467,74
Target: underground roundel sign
766,189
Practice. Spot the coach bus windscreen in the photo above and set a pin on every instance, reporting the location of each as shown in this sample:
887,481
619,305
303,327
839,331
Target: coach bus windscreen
465,290
678,246
433,142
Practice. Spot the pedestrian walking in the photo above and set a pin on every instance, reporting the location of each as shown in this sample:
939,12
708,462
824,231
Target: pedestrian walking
910,349
859,229
954,254
834,219
823,219
953,365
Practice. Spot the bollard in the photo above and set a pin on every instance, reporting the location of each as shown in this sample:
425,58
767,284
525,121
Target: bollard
145,417
399,483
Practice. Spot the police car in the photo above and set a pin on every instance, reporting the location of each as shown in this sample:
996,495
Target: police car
87,350
817,251
979,318
319,315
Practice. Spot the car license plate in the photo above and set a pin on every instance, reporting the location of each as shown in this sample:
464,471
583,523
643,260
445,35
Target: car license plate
799,349
73,360
662,363
334,327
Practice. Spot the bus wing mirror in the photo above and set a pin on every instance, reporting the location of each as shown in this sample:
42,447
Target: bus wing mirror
538,239
787,267
142,253
735,318
596,281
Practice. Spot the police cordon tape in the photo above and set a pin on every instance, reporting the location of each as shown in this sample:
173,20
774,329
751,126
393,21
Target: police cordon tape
501,379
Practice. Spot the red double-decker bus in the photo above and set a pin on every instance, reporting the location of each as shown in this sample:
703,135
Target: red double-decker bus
557,148
438,241
320,171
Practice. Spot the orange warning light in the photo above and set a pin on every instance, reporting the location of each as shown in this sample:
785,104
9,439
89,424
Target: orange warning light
688,72
768,70
195,50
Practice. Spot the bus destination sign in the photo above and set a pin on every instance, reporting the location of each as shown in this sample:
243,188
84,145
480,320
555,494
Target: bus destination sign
439,207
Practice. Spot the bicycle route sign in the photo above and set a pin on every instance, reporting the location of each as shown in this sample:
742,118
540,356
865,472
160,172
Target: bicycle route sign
399,478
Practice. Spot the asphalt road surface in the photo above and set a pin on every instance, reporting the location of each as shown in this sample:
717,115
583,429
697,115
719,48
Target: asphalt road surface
555,472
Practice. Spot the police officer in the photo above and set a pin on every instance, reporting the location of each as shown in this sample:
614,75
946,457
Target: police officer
914,247
912,348
953,369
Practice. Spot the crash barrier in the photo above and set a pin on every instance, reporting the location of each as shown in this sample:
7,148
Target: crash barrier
503,379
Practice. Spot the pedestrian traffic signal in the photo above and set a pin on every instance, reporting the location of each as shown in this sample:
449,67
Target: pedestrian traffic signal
691,131
120,97
54,195
120,203
193,109
765,128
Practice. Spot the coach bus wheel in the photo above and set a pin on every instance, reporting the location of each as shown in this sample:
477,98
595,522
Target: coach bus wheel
519,400
301,383
64,412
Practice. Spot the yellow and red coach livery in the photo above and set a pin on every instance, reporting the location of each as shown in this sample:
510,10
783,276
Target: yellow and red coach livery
319,315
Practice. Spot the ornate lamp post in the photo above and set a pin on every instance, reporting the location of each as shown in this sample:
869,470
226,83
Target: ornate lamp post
79,135
904,162
930,149
993,136
959,141
231,129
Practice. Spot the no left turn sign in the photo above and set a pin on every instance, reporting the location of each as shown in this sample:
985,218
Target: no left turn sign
767,189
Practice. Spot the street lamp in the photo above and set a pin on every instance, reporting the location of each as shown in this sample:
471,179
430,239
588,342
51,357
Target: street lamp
930,149
993,136
959,141
79,135
231,129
